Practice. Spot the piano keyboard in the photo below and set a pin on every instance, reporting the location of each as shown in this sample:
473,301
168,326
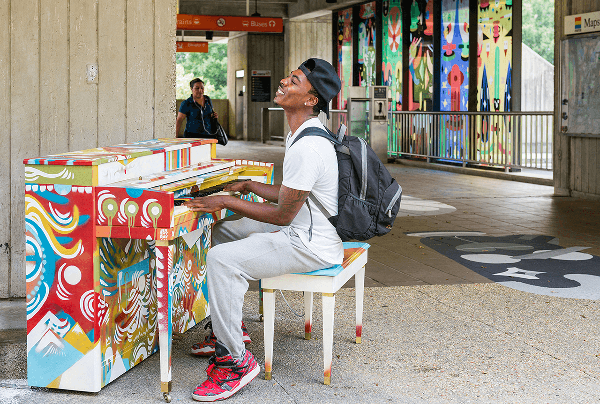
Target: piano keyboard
207,191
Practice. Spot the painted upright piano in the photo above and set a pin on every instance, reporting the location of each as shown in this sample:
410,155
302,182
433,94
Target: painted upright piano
114,264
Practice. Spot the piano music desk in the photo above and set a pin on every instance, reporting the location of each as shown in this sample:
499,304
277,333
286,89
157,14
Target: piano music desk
113,267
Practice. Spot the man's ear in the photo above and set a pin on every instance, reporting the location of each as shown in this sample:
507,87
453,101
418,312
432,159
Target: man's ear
312,101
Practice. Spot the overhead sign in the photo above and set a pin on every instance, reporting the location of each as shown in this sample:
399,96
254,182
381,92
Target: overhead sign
229,23
183,46
582,23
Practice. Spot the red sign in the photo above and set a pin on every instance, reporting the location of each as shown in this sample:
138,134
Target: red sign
183,46
229,23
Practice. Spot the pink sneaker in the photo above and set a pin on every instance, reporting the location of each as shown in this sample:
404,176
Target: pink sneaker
207,347
226,376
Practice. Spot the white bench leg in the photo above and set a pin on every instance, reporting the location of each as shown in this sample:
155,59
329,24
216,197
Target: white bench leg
308,311
328,316
260,301
359,288
269,329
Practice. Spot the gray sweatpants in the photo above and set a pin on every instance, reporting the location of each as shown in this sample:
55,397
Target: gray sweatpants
245,249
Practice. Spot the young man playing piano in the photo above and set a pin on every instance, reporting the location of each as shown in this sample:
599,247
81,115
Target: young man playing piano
271,239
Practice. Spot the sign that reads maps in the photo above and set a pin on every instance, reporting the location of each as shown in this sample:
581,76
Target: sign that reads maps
260,86
582,23
183,46
229,23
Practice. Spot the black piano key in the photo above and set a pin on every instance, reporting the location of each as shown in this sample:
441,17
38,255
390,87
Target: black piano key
205,192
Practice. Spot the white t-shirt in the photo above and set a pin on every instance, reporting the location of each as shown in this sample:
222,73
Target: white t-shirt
311,165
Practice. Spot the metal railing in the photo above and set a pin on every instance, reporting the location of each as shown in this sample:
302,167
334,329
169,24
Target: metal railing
506,139
502,139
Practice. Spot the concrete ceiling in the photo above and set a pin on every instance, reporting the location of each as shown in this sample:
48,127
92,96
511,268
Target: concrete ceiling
286,9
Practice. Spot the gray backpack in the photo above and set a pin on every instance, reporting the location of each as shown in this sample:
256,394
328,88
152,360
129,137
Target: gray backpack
368,196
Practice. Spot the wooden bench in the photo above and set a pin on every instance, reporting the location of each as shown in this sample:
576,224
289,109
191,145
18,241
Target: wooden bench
327,282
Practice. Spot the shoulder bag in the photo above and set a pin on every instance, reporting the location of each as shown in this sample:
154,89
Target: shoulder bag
218,131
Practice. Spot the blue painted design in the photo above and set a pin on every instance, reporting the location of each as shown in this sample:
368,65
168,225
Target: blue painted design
52,361
62,189
53,197
134,192
508,90
64,240
336,269
83,219
45,261
125,276
64,316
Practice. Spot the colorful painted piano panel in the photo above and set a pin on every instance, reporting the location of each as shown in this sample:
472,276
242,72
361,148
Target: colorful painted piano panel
94,269
62,328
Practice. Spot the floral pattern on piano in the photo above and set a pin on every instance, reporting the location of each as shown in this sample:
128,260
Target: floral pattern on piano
132,207
127,292
189,292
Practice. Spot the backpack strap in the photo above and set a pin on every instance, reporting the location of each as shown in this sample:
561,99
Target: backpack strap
321,208
337,141
314,131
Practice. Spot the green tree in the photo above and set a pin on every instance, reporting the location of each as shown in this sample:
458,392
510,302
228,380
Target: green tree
211,67
538,27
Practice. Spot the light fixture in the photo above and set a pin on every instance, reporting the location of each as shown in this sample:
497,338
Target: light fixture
209,35
256,13
330,1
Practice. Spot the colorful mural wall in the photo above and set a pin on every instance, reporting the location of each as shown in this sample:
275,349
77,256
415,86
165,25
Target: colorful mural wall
494,55
454,95
344,50
494,67
391,50
366,45
493,50
420,59
454,77
409,56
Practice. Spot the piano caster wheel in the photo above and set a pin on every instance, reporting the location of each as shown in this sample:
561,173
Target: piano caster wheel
261,318
167,397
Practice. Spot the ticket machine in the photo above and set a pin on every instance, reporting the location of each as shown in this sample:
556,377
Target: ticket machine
368,117
378,121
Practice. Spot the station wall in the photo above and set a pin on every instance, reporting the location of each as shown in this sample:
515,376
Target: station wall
576,158
47,106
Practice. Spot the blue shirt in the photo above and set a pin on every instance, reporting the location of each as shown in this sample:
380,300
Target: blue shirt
198,118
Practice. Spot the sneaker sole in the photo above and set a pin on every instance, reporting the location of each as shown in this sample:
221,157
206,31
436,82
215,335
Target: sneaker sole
245,380
199,352
205,353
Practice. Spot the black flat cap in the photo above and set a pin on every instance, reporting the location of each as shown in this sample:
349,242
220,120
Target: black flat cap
323,78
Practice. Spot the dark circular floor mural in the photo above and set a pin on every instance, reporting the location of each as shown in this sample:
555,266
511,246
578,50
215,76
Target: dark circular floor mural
530,263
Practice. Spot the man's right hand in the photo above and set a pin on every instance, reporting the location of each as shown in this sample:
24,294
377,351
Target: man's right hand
241,187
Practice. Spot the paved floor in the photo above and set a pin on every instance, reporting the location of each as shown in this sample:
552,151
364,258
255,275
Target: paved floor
485,291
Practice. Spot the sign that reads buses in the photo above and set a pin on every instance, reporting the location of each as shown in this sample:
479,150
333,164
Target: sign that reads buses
582,23
229,23
183,46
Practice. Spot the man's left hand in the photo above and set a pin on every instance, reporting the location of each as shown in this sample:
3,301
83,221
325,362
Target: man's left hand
207,203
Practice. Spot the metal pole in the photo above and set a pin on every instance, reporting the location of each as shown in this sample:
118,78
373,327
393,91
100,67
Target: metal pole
505,135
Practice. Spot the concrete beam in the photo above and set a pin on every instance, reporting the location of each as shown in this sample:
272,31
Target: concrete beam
306,9
235,8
